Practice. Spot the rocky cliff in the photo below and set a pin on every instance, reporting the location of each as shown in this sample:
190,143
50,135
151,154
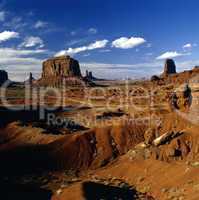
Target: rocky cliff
63,66
61,70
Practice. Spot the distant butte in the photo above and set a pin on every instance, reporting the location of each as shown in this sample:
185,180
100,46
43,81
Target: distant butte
61,70
3,77
171,76
64,66
169,67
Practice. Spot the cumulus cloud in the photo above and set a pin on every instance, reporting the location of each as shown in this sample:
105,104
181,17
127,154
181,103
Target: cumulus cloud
32,42
71,51
2,16
7,35
171,54
92,30
40,24
187,46
127,43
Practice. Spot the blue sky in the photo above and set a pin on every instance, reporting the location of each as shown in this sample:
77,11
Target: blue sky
114,39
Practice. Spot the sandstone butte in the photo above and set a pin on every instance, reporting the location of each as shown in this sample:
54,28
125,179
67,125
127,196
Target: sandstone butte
169,67
170,75
61,70
3,76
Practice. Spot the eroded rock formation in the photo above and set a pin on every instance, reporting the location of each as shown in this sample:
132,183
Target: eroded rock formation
169,67
30,79
3,76
171,76
61,70
64,66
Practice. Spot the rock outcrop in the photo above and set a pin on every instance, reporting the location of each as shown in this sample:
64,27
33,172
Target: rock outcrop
30,79
155,78
61,70
171,76
3,76
89,76
63,66
169,67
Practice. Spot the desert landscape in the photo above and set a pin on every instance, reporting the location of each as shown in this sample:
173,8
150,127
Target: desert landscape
100,139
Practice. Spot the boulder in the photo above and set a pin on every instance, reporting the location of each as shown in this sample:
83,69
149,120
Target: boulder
3,76
169,67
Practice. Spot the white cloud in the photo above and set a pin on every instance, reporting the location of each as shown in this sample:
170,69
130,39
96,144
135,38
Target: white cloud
187,46
19,68
187,64
171,54
7,35
136,70
149,45
7,53
104,50
2,16
40,24
20,62
127,43
92,30
71,51
98,44
75,41
32,42
60,53
122,71
15,23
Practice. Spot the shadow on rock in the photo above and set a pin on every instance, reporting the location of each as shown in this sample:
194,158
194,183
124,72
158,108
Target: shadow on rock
24,192
99,191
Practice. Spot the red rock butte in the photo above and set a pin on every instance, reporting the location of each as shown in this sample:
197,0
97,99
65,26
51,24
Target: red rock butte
61,69
61,66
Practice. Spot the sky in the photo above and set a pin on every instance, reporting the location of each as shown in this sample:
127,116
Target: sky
116,39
